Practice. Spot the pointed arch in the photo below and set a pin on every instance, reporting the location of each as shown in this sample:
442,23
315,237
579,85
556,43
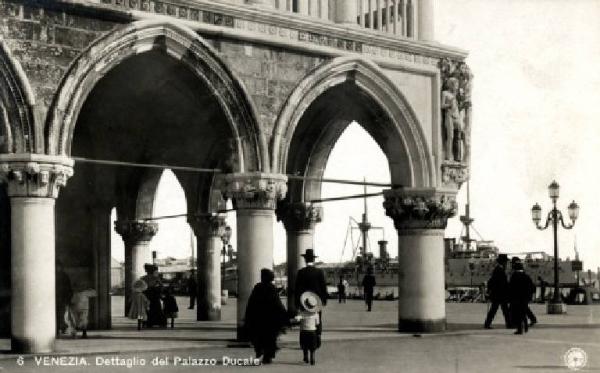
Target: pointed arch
178,42
17,125
414,157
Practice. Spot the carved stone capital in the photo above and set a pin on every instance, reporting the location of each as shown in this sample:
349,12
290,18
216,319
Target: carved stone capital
412,208
135,231
255,190
454,174
208,225
299,216
34,175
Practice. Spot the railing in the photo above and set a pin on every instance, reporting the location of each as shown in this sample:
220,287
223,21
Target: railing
395,17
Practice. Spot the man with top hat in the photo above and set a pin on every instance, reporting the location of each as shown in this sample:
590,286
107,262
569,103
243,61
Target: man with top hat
498,292
528,312
311,278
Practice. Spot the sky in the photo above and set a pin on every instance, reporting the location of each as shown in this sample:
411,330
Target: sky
536,106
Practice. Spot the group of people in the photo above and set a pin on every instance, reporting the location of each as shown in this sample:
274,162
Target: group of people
152,303
266,317
368,284
512,296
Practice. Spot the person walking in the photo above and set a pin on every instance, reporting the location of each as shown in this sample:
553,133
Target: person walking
309,322
498,292
530,315
520,290
170,306
265,317
341,290
192,288
80,306
368,284
156,315
64,293
543,285
311,278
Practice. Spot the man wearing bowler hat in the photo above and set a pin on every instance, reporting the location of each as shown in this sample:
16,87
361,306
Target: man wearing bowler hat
311,278
498,292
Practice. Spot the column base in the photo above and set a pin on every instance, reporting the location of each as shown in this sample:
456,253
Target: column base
210,315
556,308
31,346
422,326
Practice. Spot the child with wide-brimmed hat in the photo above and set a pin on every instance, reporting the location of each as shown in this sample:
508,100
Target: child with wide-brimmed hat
138,309
309,321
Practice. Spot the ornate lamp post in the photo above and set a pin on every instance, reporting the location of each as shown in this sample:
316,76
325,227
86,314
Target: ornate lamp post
555,306
225,238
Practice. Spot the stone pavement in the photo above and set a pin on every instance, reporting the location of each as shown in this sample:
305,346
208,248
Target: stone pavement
353,341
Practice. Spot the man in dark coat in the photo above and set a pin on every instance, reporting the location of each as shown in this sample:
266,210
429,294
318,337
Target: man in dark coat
312,279
498,292
192,288
528,312
520,290
64,293
368,284
265,317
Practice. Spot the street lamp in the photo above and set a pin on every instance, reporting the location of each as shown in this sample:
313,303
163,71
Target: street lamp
225,237
555,306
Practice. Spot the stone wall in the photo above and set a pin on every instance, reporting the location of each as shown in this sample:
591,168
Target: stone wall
46,39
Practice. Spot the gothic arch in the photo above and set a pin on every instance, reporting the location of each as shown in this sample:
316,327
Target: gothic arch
411,165
17,102
178,42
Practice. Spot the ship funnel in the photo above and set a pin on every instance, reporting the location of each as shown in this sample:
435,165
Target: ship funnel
383,253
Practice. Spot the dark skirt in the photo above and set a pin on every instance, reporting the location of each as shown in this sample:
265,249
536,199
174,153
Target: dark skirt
309,340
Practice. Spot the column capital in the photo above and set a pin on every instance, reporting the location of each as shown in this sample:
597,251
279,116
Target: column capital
298,216
454,174
420,208
134,231
34,175
255,190
208,225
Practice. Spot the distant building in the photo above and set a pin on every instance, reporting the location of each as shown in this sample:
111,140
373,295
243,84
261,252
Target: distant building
117,274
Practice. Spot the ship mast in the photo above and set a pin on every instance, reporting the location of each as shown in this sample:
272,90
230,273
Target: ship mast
467,220
364,225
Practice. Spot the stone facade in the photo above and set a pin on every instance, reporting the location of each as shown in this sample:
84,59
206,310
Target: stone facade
230,86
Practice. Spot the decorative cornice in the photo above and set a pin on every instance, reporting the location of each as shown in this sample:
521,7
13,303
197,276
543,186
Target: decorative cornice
280,25
255,190
136,231
454,174
412,208
35,175
298,216
208,225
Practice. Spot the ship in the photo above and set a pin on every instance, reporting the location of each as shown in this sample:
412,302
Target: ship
468,265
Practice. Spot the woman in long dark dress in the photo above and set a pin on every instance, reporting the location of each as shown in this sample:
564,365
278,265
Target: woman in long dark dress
156,315
265,317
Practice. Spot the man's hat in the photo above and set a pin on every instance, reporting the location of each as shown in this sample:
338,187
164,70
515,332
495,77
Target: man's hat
311,302
309,255
502,258
150,268
515,259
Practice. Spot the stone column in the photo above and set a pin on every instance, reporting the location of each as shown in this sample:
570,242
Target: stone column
425,23
299,220
420,217
254,197
33,185
208,231
136,235
346,12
